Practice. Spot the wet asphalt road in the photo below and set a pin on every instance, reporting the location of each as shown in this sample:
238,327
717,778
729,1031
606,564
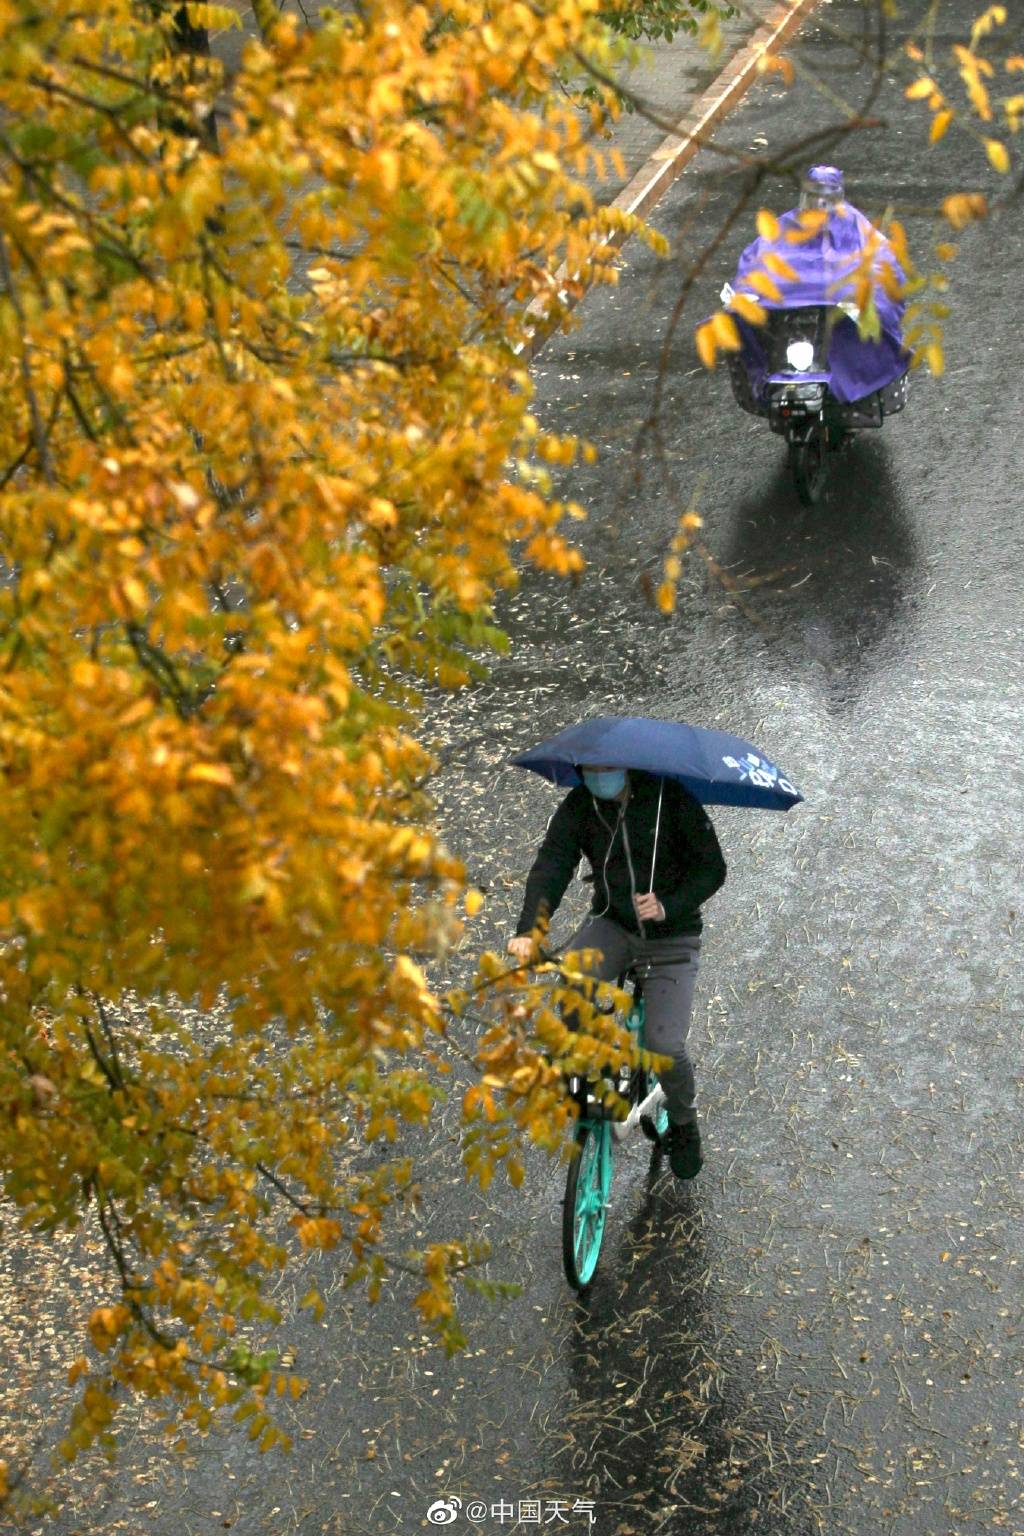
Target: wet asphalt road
823,1332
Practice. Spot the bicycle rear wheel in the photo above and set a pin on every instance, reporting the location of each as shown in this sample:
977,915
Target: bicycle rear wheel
586,1199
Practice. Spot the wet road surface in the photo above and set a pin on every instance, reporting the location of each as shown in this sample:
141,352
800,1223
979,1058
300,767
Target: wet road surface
823,1332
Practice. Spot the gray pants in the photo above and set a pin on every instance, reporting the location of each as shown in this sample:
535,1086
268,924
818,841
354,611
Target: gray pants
669,970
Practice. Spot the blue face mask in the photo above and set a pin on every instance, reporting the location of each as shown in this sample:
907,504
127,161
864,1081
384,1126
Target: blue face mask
605,785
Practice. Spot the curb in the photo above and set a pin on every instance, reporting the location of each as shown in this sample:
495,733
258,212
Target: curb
644,190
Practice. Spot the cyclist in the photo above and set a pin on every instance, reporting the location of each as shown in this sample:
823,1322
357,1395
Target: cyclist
655,859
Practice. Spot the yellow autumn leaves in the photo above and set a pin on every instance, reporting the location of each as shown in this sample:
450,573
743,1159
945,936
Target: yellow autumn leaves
720,333
976,73
687,529
267,458
715,335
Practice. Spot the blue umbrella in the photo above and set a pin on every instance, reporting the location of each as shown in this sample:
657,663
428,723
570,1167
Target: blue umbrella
717,769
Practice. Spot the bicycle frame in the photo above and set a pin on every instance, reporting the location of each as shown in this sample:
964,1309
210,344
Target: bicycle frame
650,1104
589,1180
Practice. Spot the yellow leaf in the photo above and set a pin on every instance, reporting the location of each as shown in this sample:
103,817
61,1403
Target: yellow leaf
997,154
935,359
995,16
474,900
136,593
963,207
705,339
409,972
31,910
214,18
776,64
764,285
748,308
940,122
726,335
210,773
780,266
194,310
709,33
920,89
810,222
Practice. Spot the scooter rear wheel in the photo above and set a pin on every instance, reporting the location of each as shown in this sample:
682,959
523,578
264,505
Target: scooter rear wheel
809,459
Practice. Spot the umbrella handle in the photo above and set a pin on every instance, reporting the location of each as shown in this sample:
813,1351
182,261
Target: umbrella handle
657,824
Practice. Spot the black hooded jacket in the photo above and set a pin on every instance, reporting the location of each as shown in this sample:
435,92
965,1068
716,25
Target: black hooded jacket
688,869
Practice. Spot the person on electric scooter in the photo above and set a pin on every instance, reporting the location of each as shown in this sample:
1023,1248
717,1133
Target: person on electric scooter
817,303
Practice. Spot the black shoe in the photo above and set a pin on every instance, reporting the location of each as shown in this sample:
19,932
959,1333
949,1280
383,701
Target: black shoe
682,1143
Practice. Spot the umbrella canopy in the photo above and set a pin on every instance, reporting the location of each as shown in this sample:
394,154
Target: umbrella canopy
716,768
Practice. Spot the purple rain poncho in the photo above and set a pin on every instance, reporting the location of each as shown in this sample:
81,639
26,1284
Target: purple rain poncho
824,267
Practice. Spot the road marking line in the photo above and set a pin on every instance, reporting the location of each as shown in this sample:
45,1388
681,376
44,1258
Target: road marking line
667,163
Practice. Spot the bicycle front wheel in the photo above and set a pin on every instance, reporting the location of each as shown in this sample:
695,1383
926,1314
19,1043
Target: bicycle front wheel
586,1200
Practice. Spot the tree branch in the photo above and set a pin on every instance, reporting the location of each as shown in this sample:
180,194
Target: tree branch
39,433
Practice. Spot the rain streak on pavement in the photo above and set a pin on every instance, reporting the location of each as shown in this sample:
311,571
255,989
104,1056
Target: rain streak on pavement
823,1331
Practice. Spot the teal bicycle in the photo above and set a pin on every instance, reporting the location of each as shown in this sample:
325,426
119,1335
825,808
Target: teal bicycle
589,1181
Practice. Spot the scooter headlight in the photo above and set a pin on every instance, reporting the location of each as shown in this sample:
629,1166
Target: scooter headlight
800,355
